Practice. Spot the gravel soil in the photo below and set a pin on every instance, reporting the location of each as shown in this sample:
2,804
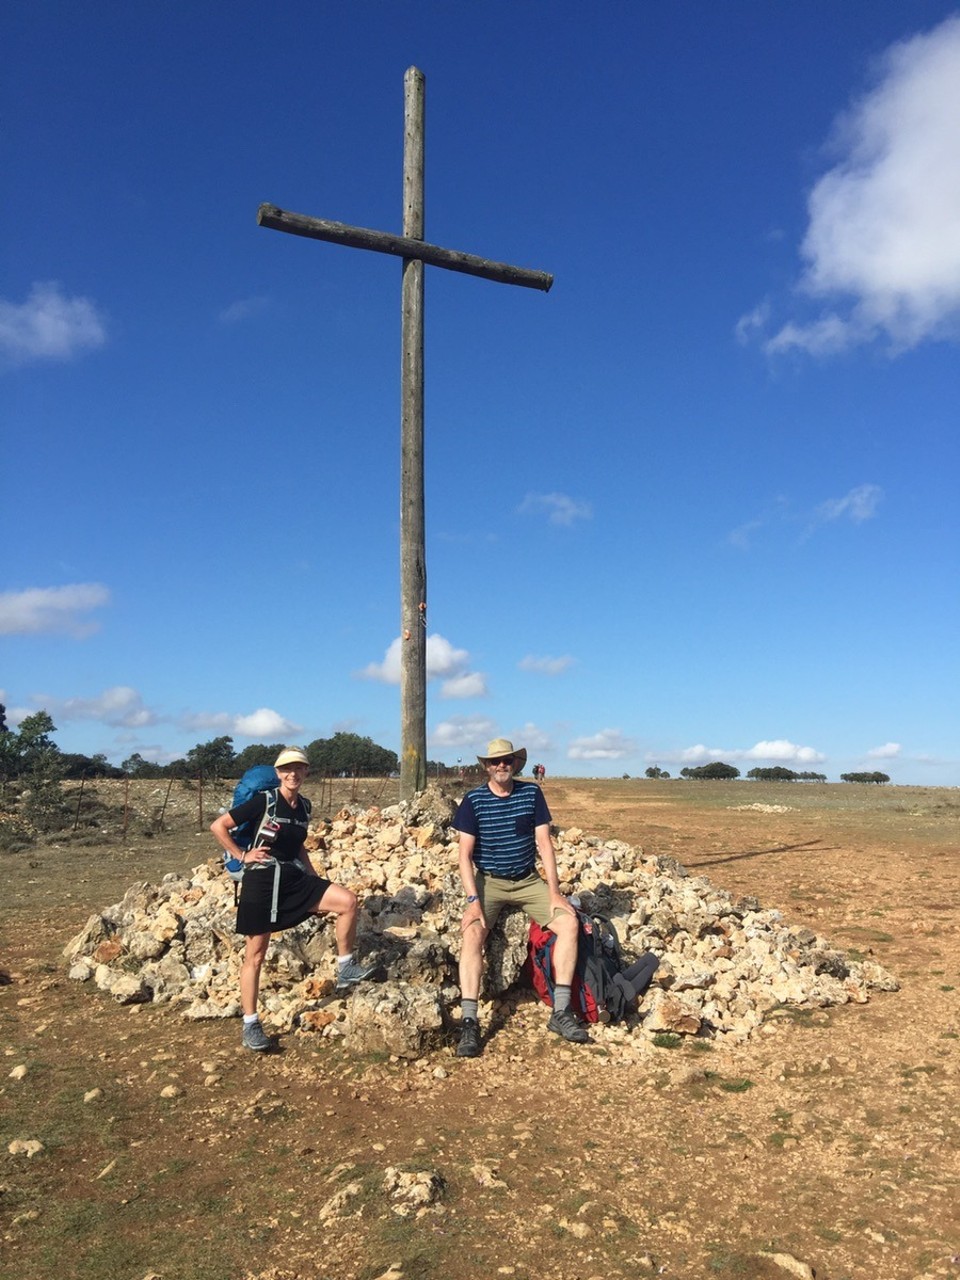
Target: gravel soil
826,1145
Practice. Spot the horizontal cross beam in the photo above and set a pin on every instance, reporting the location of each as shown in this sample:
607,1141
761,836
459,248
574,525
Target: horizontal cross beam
300,224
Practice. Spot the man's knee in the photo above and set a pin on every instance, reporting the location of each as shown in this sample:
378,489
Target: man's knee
563,923
474,936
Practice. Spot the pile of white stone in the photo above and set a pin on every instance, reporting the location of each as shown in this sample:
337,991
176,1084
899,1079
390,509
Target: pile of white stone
725,964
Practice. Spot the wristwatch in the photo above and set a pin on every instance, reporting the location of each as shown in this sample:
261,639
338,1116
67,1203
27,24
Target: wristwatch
472,897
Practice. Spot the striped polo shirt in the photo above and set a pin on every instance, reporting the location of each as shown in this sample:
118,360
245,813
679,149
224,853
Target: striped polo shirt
504,827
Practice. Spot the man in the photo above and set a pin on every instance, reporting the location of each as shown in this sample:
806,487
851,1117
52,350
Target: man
503,825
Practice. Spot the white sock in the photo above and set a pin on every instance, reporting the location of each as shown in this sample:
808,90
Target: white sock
250,1017
342,960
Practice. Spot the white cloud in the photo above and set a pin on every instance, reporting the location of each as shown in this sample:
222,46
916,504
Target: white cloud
207,721
858,505
777,511
782,750
608,744
154,752
51,609
444,662
471,684
559,507
779,749
119,706
545,666
753,323
533,738
389,669
883,239
889,751
462,732
263,723
241,310
742,537
828,336
696,755
49,325
474,732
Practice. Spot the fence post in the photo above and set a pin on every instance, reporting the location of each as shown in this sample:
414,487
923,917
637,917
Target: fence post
76,817
163,807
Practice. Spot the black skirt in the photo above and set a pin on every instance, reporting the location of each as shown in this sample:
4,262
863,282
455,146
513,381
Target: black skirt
299,894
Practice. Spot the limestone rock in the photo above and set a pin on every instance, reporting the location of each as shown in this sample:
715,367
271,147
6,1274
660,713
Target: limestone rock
667,1012
413,1190
338,1202
392,1018
725,963
28,1147
791,1265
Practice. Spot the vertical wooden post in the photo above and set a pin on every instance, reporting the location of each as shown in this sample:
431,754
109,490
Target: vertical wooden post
76,820
416,253
163,808
413,568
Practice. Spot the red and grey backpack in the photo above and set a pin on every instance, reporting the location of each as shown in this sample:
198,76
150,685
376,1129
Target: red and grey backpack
595,997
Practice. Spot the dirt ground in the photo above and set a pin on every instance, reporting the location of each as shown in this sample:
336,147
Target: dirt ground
827,1145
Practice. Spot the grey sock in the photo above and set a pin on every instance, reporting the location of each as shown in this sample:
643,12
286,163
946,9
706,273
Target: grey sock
468,1009
561,998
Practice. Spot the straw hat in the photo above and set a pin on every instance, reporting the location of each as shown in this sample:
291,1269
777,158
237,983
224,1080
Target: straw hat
504,747
290,755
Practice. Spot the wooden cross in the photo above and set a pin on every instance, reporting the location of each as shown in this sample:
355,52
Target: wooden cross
414,251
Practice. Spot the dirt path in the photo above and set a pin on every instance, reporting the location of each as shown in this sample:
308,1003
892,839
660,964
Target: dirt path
829,1140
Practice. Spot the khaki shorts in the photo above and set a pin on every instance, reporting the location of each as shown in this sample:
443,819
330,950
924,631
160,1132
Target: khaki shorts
530,893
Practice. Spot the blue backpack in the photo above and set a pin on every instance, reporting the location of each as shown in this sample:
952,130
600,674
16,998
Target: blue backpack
262,777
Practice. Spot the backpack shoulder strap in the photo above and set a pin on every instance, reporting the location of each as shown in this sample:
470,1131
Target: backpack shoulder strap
269,813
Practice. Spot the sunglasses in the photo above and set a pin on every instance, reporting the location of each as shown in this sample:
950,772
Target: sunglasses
501,760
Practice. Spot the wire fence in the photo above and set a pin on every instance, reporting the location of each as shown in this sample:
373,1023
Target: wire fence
158,805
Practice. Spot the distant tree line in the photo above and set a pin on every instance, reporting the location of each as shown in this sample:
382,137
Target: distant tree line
344,753
29,753
779,774
715,770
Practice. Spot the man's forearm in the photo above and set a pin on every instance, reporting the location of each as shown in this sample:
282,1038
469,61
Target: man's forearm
468,873
548,859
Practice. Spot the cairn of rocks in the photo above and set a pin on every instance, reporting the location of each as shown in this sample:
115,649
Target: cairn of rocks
725,964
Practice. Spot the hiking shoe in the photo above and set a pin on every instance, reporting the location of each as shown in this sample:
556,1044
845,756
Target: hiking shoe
348,975
254,1037
469,1046
567,1024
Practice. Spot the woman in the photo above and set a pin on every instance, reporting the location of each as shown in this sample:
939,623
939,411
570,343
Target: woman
280,888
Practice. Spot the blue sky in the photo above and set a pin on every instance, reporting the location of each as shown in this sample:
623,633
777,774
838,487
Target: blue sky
697,502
